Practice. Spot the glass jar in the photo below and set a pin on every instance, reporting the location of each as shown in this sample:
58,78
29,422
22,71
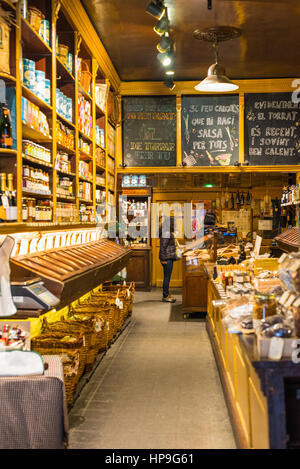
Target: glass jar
264,306
31,210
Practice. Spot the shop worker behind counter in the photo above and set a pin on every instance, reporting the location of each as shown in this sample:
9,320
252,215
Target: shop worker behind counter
167,254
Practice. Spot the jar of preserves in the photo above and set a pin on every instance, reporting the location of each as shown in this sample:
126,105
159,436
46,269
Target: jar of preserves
31,210
264,306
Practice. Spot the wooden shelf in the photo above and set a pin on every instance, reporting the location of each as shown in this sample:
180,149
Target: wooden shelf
7,77
86,201
28,132
8,4
36,194
37,161
85,156
64,72
33,44
27,93
70,198
83,135
99,111
100,168
82,178
65,173
66,121
8,152
60,146
84,92
287,204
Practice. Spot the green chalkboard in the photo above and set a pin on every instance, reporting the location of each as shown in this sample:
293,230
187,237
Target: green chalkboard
149,130
210,130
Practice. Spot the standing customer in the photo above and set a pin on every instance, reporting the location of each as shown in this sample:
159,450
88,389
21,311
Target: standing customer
167,254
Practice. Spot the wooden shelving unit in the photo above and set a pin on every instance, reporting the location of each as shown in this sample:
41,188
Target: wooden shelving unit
27,43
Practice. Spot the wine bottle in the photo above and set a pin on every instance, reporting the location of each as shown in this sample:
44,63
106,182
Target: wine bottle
6,140
12,203
248,199
3,198
242,199
232,202
238,200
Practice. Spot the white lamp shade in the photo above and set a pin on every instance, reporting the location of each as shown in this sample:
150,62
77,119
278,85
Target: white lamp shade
216,81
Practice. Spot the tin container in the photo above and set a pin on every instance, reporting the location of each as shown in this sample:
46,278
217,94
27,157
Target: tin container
45,31
70,62
29,74
142,180
48,91
40,84
69,106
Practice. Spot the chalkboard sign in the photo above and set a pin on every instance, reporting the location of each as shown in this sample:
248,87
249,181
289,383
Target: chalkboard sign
272,129
210,130
149,130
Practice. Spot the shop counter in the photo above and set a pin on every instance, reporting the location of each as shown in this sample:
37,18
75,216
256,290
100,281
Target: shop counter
33,409
262,395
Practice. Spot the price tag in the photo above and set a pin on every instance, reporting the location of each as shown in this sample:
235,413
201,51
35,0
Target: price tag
117,302
276,348
128,292
121,304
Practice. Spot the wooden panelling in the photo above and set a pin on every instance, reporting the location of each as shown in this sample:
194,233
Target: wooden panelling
259,418
242,392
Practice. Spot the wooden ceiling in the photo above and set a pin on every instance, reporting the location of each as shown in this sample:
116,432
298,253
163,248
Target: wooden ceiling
267,48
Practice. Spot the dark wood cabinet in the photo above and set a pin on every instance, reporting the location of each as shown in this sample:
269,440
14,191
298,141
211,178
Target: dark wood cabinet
138,268
194,288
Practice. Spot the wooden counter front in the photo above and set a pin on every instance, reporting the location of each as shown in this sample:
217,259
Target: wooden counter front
194,288
262,416
138,268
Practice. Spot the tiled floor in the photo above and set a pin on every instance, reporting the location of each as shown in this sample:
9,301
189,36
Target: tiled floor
157,388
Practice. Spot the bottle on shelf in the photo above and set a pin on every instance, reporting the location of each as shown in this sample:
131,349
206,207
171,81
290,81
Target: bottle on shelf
6,140
3,198
11,211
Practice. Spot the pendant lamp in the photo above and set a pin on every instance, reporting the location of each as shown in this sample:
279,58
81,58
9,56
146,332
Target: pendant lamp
216,80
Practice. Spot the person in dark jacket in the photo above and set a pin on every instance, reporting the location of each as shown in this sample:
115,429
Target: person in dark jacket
167,255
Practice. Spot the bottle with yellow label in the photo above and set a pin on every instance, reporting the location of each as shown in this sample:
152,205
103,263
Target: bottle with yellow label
3,198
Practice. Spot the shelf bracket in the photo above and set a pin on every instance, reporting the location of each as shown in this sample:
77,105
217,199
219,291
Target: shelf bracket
57,7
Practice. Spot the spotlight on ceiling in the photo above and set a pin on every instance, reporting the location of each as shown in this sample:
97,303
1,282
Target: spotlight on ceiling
165,43
169,83
166,58
162,26
156,9
170,71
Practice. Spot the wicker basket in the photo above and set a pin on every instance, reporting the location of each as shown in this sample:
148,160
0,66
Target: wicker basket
62,53
85,76
52,343
35,17
70,364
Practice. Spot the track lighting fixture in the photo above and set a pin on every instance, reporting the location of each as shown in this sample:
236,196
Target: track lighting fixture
162,26
169,83
165,43
156,9
166,58
170,71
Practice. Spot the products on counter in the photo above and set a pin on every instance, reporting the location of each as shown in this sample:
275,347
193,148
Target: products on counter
34,210
36,151
34,118
64,105
62,162
66,212
12,338
6,140
85,190
65,136
36,180
85,115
